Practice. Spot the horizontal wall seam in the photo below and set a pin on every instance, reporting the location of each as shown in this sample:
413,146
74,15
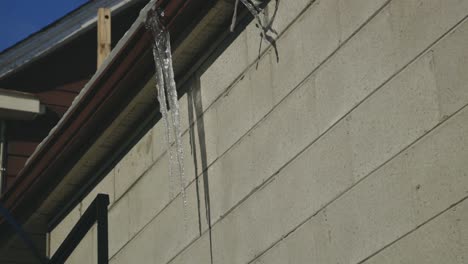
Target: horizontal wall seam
440,214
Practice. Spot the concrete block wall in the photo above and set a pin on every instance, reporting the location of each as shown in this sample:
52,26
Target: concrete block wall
350,149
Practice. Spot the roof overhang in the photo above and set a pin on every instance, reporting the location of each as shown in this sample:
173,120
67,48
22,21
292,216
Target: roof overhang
117,97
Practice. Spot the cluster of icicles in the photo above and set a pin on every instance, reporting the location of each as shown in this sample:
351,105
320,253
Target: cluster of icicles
165,85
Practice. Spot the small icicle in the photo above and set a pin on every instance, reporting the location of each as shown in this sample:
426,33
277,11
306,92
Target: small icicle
234,16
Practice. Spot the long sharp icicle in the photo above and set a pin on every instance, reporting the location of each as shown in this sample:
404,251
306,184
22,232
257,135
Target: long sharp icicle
165,82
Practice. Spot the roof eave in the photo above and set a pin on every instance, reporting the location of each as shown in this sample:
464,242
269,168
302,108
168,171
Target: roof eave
104,95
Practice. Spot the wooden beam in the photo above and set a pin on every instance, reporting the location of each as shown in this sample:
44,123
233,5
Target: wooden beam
104,35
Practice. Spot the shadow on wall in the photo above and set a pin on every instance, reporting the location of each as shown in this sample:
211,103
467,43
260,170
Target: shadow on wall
195,112
195,109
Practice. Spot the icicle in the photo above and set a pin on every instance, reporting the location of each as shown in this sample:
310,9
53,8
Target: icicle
166,84
174,106
154,26
234,16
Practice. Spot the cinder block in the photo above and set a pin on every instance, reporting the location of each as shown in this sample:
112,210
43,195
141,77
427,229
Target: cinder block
198,252
238,44
61,231
393,38
392,201
217,78
261,83
166,235
106,186
86,251
438,167
400,197
184,112
420,108
234,114
305,45
133,165
263,151
450,60
353,14
312,38
442,240
238,110
339,86
308,244
394,117
119,225
272,211
150,195
159,139
286,13
254,100
414,26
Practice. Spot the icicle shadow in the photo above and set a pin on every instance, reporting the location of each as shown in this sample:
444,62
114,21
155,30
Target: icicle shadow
195,106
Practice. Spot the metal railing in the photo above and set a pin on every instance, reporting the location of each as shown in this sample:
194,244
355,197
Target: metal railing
95,213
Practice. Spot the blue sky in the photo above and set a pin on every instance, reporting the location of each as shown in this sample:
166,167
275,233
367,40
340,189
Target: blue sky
20,18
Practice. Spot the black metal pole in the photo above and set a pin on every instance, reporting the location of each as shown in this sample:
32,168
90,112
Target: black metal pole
102,235
95,213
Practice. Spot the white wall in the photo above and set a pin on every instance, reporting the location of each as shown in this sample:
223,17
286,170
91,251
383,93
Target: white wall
350,149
